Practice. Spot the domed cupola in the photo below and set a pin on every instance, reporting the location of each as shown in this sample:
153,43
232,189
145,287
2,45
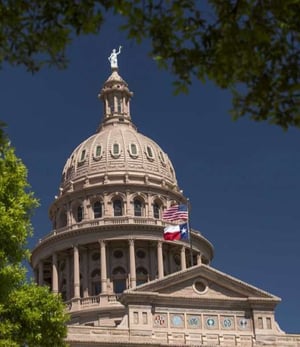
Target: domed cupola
117,153
116,99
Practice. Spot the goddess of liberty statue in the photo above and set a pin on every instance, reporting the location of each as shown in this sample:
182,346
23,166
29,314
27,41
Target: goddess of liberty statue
113,58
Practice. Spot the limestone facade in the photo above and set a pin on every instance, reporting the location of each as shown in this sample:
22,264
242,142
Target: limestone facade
123,284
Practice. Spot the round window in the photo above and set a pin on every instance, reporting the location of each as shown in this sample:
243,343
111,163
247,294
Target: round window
96,256
200,286
118,254
140,253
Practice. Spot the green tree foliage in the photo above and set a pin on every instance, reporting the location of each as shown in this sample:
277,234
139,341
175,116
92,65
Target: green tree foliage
29,315
33,317
248,46
16,206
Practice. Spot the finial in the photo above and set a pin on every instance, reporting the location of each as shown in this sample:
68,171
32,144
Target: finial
113,58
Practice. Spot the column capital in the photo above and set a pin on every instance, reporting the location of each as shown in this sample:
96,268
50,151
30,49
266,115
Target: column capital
102,243
131,242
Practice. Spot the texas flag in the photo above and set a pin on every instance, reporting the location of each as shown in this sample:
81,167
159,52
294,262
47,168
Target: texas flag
176,232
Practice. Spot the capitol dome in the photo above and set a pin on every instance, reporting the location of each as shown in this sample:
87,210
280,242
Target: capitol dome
118,152
107,218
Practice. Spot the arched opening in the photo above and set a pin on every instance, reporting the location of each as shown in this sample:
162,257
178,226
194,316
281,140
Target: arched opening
119,280
118,208
138,207
63,289
96,284
61,219
156,210
79,214
141,275
97,208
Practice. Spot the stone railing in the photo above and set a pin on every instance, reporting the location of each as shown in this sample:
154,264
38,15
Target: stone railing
90,300
106,221
95,300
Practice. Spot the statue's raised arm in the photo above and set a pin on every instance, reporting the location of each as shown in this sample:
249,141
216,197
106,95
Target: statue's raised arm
113,58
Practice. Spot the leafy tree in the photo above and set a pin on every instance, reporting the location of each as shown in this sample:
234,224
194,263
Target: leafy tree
16,206
29,315
33,317
248,46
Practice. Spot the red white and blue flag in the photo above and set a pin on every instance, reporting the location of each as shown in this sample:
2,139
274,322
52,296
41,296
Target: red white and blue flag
176,232
176,212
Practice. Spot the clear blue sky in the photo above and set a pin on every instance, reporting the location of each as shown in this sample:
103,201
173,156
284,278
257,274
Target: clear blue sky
242,177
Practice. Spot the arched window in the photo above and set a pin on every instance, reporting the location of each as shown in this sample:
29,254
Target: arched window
161,157
63,289
79,213
119,104
98,151
111,105
61,219
117,206
149,152
96,285
133,150
156,210
119,279
138,207
82,156
141,275
97,207
116,149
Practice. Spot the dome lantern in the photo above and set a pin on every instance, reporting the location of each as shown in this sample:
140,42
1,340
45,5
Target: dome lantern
115,95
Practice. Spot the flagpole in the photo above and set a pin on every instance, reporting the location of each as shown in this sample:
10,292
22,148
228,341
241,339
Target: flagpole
190,231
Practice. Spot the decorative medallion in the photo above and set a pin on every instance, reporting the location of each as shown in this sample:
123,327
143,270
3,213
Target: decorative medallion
160,320
210,322
243,323
193,321
177,320
227,323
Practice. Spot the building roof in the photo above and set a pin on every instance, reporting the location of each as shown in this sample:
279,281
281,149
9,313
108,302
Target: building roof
117,148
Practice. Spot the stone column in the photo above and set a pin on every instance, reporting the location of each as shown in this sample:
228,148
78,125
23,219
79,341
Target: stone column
54,274
199,259
69,212
89,210
35,273
128,107
105,211
85,273
132,264
76,272
103,267
68,277
128,210
183,259
149,212
115,104
160,262
41,273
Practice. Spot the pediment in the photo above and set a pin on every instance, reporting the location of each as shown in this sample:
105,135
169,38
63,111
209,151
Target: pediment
204,282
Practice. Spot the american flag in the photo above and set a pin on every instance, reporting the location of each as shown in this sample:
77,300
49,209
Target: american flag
176,212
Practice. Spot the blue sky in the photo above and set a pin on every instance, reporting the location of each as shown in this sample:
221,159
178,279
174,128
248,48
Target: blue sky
242,177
